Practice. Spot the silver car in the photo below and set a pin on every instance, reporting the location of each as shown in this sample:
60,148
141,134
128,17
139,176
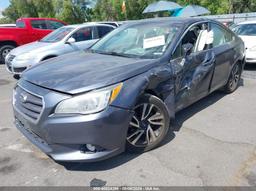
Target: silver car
61,41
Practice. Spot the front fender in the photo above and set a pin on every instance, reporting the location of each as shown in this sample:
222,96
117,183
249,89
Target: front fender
157,81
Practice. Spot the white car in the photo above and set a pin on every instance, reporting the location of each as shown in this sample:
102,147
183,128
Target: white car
247,32
61,41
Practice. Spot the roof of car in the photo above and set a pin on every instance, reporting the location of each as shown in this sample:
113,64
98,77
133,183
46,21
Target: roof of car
88,24
182,20
247,22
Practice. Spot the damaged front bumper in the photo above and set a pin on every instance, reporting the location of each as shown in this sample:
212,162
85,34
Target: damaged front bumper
66,137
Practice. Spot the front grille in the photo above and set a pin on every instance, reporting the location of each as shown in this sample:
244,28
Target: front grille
9,62
27,103
10,58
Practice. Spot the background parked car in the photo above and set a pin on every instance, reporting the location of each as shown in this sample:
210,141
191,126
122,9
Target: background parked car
61,41
27,30
247,31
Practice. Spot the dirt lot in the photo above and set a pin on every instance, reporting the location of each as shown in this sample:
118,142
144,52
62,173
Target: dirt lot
214,144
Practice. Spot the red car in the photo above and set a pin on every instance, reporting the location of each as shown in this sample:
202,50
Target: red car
27,30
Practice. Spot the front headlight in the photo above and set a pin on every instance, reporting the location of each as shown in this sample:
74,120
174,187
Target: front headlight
26,56
89,103
253,48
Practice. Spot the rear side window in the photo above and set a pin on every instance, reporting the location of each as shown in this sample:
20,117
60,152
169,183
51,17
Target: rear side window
83,34
20,24
103,30
39,24
52,25
220,35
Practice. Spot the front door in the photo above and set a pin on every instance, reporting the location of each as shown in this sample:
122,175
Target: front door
193,72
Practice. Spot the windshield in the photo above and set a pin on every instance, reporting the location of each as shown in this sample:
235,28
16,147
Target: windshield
57,35
245,29
142,41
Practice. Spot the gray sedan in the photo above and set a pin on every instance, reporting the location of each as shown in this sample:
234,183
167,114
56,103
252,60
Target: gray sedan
61,41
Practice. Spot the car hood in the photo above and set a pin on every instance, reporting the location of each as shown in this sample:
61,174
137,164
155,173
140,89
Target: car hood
249,41
28,48
80,72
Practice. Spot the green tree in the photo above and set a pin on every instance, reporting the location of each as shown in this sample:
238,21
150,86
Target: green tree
112,9
65,10
5,20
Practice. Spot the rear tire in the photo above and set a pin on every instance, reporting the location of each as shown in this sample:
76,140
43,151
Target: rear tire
4,50
149,124
234,79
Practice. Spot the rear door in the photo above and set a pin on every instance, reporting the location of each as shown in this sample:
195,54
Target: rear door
224,50
193,73
22,32
39,29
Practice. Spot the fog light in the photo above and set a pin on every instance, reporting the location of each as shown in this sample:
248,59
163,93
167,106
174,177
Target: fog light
91,147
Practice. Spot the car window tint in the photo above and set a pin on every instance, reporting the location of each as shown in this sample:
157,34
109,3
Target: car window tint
39,24
219,35
54,24
103,30
83,34
20,24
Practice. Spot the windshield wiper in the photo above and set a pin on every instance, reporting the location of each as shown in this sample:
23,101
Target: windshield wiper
113,53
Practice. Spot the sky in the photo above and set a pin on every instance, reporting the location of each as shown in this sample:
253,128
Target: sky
3,5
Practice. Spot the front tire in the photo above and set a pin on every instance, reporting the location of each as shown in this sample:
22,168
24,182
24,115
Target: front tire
4,50
234,78
149,124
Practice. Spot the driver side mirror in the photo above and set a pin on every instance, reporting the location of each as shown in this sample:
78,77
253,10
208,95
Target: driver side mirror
71,40
187,49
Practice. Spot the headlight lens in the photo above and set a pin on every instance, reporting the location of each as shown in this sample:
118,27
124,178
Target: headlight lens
253,48
89,103
24,57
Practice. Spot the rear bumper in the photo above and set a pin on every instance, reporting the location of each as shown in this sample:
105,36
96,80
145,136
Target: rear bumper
251,60
250,56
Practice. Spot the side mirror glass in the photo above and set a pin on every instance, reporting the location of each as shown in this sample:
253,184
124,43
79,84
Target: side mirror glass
187,48
71,40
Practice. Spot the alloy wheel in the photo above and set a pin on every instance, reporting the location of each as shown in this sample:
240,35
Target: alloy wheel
234,78
5,52
146,126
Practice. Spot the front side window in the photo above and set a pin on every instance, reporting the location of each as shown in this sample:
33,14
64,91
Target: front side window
148,40
83,34
195,36
57,35
52,25
245,29
39,24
